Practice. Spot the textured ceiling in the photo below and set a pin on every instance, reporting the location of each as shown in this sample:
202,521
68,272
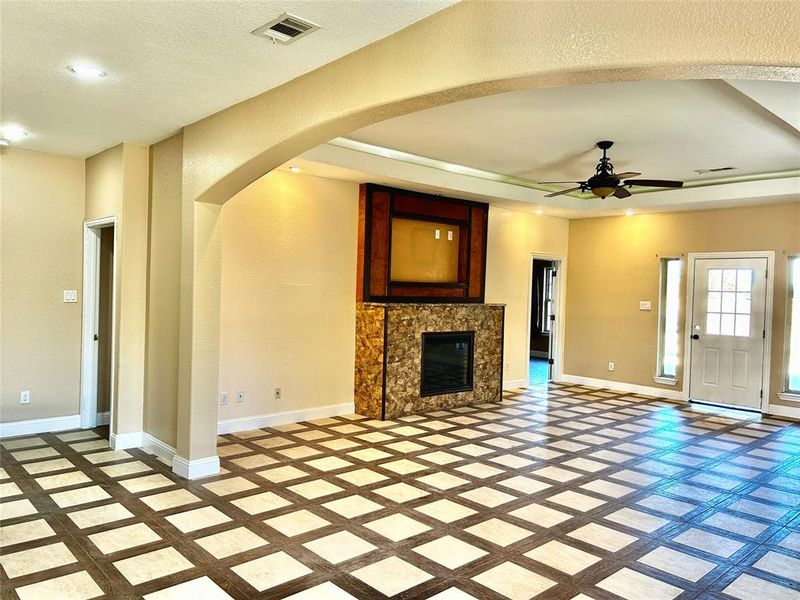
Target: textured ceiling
169,63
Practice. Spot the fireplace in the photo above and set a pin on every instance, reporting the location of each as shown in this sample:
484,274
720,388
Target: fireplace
447,359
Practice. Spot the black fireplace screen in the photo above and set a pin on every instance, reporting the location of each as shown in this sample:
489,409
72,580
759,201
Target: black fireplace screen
447,360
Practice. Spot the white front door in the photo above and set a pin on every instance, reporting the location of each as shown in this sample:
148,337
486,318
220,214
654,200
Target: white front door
727,329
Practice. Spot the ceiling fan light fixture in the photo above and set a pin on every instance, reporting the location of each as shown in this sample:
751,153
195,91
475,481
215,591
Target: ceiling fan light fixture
602,192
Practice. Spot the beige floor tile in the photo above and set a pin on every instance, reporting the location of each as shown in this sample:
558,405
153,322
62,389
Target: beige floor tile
200,589
401,492
123,538
315,489
514,582
18,444
404,466
539,515
391,576
229,450
299,452
231,485
728,522
328,463
439,457
79,496
296,523
556,474
607,488
268,571
53,482
362,477
77,435
779,564
25,455
523,484
254,462
603,537
450,552
323,591
98,458
9,490
126,468
487,496
339,547
46,466
273,442
24,562
747,587
677,563
96,444
479,470
137,485
708,542
353,506
260,503
397,527
24,532
199,518
227,543
91,517
791,542
632,585
75,586
576,501
281,474
442,481
369,454
666,505
563,557
452,594
337,444
445,510
152,565
637,520
498,532
171,499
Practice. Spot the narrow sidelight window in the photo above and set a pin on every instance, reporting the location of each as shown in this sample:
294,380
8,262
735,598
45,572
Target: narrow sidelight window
669,311
793,328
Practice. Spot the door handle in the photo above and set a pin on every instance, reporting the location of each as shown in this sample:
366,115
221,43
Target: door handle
695,336
96,337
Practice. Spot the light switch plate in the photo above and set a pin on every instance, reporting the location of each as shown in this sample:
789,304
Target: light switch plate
644,305
70,296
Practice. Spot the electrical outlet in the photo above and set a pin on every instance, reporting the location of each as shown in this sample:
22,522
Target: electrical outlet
449,236
277,393
223,399
25,397
239,396
611,365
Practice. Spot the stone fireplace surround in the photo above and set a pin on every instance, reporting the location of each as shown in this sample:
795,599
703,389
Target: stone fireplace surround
389,352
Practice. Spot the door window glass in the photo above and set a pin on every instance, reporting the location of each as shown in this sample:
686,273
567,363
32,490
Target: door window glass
729,302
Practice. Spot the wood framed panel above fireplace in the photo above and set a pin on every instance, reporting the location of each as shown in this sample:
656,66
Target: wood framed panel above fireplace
415,247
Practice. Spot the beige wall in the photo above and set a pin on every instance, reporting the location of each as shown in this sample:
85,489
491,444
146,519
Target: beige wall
288,294
41,247
613,263
513,236
161,385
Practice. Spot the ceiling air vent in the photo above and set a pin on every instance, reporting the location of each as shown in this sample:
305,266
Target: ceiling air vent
714,170
286,29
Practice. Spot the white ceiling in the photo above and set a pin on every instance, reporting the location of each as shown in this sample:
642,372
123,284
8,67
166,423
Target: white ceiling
663,129
169,63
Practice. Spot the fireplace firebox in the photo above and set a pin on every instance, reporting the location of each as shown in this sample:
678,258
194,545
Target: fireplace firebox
447,362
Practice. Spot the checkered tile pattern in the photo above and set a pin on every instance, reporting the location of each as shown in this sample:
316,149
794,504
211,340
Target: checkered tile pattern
564,493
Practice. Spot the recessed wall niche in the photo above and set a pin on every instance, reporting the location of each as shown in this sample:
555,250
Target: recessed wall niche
415,247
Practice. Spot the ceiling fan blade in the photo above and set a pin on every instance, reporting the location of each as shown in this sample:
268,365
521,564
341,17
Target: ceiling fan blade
621,192
662,183
567,191
626,174
549,182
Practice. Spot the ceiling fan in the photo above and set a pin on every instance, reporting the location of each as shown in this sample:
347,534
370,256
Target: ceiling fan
607,183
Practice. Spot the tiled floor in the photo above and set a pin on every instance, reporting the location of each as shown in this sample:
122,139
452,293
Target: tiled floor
566,493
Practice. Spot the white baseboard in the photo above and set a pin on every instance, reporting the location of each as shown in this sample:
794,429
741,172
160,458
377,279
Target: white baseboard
784,411
104,418
125,441
153,445
32,426
282,418
195,469
619,386
514,384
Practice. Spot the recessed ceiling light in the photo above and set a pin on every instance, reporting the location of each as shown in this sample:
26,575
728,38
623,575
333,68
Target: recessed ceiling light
295,169
86,71
629,213
13,133
3,142
539,211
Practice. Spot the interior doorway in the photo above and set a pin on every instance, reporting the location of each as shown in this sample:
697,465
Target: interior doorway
729,329
99,276
543,322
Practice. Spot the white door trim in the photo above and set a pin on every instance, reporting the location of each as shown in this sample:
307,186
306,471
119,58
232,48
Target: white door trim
561,295
91,305
692,257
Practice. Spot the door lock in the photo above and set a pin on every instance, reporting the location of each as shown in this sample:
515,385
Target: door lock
695,336
96,337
